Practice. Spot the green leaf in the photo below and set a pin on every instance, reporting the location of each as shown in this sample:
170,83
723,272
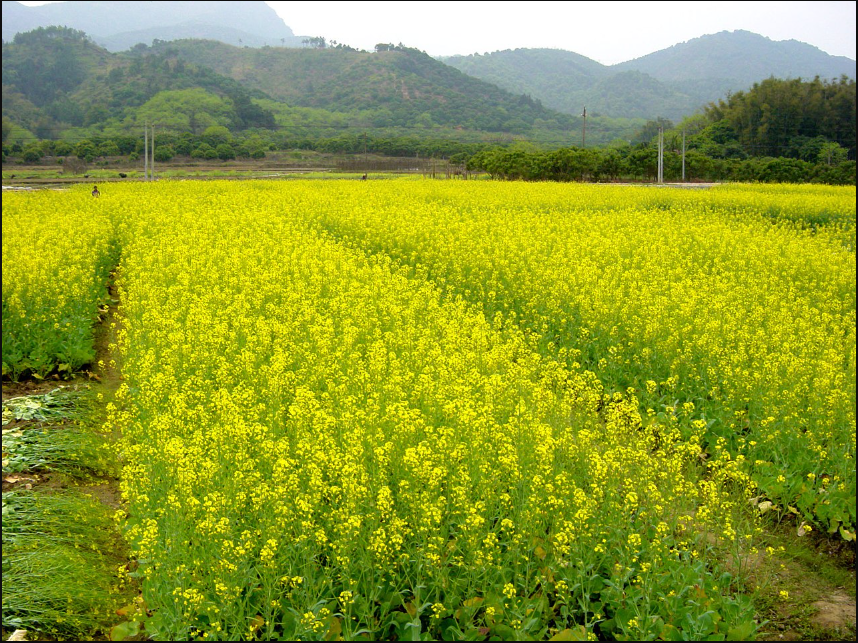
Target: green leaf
670,633
577,633
334,630
741,632
125,630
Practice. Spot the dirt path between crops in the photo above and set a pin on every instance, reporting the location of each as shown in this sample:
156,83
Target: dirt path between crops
808,590
106,332
103,378
106,372
108,376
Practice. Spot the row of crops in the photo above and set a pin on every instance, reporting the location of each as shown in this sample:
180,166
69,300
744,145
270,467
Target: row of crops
412,409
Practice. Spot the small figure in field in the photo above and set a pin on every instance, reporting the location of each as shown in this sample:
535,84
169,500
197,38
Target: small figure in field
95,191
363,178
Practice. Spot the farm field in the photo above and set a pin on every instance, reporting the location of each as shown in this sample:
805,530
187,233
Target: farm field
464,410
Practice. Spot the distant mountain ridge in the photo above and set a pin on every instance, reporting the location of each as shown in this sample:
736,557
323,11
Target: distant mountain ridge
742,57
55,78
228,37
672,83
399,86
117,26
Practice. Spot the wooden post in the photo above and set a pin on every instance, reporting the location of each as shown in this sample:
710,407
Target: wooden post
146,151
153,152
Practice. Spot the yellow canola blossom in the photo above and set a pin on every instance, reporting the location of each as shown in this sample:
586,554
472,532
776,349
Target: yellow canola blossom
57,253
368,406
295,410
732,308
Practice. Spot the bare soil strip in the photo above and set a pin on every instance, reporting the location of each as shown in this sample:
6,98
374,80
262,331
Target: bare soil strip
103,377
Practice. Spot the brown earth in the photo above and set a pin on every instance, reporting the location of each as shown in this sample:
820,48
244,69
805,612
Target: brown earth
106,379
835,612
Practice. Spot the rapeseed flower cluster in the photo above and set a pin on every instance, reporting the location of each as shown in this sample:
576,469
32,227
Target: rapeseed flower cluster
295,410
57,253
733,309
469,409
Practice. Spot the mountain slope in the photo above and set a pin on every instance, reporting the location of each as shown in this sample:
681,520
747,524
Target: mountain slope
547,73
121,25
70,81
48,63
402,85
568,82
741,56
57,76
672,83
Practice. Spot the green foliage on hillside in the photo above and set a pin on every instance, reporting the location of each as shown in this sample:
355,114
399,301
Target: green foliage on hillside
135,80
791,118
741,58
671,83
400,86
561,79
55,78
316,92
568,82
48,63
396,100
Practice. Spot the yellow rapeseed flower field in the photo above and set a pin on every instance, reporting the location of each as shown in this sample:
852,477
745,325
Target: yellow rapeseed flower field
733,307
470,410
56,257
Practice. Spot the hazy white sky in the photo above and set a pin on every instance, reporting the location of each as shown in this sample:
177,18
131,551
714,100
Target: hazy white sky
608,32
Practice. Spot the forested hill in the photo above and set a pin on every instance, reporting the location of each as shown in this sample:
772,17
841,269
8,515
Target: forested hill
56,77
670,83
740,57
401,86
568,82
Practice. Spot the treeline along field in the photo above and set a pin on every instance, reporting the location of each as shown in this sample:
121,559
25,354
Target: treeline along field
404,408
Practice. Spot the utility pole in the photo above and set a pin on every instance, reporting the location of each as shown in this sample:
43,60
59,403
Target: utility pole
145,151
661,155
584,130
365,170
153,152
683,156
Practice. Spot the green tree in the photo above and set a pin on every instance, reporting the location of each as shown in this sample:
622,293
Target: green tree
610,164
204,151
86,149
46,63
225,152
31,155
62,148
832,154
216,134
185,110
184,146
108,148
164,153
